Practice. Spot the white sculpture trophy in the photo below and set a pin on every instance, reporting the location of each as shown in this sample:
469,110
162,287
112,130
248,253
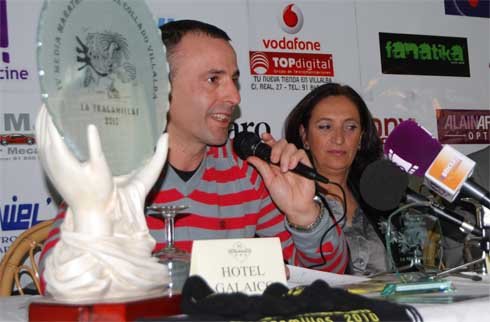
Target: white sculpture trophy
104,84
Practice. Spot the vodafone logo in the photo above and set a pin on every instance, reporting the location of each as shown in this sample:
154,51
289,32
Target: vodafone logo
291,19
259,63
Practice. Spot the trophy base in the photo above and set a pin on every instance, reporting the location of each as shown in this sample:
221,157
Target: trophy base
52,310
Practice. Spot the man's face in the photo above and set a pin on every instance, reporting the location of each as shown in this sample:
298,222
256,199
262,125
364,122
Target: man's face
204,90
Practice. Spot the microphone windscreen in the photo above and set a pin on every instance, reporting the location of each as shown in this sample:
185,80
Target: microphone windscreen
412,147
383,185
244,142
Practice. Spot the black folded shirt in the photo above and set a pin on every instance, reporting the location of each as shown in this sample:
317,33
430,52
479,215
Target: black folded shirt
317,302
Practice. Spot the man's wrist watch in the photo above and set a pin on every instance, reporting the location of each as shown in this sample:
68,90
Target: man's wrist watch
313,225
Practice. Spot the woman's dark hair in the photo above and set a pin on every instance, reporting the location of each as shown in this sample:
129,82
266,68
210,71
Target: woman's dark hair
371,146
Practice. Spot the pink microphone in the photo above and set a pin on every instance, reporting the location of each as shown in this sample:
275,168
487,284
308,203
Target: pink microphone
412,147
444,169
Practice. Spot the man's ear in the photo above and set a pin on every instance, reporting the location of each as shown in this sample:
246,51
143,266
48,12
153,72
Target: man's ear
170,87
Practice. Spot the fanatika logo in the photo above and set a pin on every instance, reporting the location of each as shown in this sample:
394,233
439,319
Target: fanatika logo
423,55
291,19
6,72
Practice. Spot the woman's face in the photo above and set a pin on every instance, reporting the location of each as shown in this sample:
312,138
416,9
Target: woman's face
333,135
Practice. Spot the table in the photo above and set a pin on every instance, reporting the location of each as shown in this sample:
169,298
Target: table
477,309
15,308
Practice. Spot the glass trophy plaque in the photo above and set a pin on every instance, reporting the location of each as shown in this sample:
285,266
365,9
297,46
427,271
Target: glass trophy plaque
102,62
415,242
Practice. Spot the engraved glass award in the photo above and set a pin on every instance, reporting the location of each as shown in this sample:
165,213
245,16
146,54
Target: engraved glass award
414,242
102,62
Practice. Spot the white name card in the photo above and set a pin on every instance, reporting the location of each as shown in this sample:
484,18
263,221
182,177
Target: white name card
246,265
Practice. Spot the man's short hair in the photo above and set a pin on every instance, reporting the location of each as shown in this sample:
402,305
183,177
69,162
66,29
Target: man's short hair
172,32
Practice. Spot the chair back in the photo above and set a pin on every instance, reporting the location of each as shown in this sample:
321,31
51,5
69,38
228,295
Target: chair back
20,259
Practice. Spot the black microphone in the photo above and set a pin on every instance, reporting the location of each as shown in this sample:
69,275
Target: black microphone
384,186
444,213
249,144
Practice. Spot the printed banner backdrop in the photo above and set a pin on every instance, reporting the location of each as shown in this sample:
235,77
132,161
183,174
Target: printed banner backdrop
395,97
300,45
422,60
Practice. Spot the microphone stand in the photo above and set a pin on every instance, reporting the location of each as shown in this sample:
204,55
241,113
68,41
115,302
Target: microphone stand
483,221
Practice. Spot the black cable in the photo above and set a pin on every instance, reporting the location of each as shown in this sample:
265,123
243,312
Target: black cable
336,222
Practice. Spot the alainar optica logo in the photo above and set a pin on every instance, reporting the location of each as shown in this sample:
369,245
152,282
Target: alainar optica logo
424,55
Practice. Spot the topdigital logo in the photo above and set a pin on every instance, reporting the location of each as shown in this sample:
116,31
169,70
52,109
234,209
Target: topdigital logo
290,64
6,72
291,19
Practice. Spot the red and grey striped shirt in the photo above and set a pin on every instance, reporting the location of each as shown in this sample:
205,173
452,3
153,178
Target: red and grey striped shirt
228,199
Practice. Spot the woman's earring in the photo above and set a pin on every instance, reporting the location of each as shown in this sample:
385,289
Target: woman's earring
306,146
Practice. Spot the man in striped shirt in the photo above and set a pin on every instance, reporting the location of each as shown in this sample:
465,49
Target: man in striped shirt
229,197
